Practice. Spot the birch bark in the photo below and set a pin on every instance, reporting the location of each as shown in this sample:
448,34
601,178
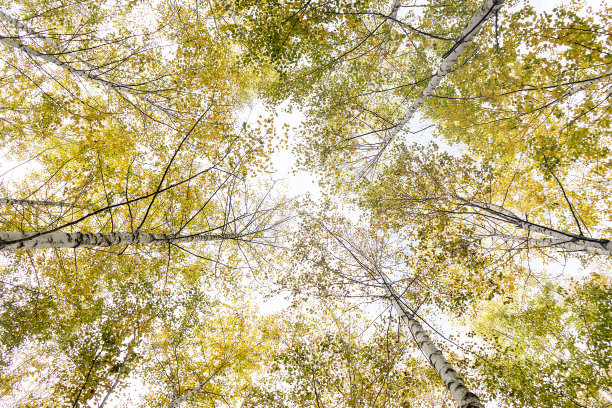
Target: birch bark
11,240
20,26
459,391
86,74
555,239
568,244
488,8
462,395
11,201
584,85
393,14
175,403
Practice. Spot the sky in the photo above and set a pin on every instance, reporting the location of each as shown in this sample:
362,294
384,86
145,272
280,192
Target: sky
548,5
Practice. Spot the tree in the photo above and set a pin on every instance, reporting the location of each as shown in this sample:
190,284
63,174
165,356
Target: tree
134,225
69,336
349,261
88,139
537,96
210,361
145,147
552,348
424,185
115,166
81,337
352,73
243,227
342,366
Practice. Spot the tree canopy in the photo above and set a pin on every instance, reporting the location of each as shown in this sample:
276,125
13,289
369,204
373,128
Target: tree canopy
458,255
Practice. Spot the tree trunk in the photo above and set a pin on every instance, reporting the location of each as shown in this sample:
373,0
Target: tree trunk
20,26
11,201
489,8
87,74
175,403
11,240
555,239
584,85
574,245
462,395
393,14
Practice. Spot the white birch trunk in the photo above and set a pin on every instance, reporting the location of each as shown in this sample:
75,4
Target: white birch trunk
11,240
175,403
584,85
462,395
555,239
606,394
87,74
20,26
517,221
11,201
393,14
488,8
575,245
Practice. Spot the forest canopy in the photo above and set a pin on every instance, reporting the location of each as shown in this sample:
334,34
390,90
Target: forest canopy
455,251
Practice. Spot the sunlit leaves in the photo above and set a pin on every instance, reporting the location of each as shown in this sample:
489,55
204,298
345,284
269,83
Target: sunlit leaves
550,349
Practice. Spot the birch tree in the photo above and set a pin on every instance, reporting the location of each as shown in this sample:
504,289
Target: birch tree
538,95
356,260
73,120
133,231
345,367
18,202
82,339
209,363
146,147
116,157
235,221
424,185
70,336
358,79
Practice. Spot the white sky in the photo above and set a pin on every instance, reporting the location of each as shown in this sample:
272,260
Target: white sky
548,5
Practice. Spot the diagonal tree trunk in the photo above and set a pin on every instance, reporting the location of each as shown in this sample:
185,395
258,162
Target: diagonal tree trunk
11,240
20,26
175,403
53,59
584,85
555,239
488,8
86,74
461,394
45,203
455,384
